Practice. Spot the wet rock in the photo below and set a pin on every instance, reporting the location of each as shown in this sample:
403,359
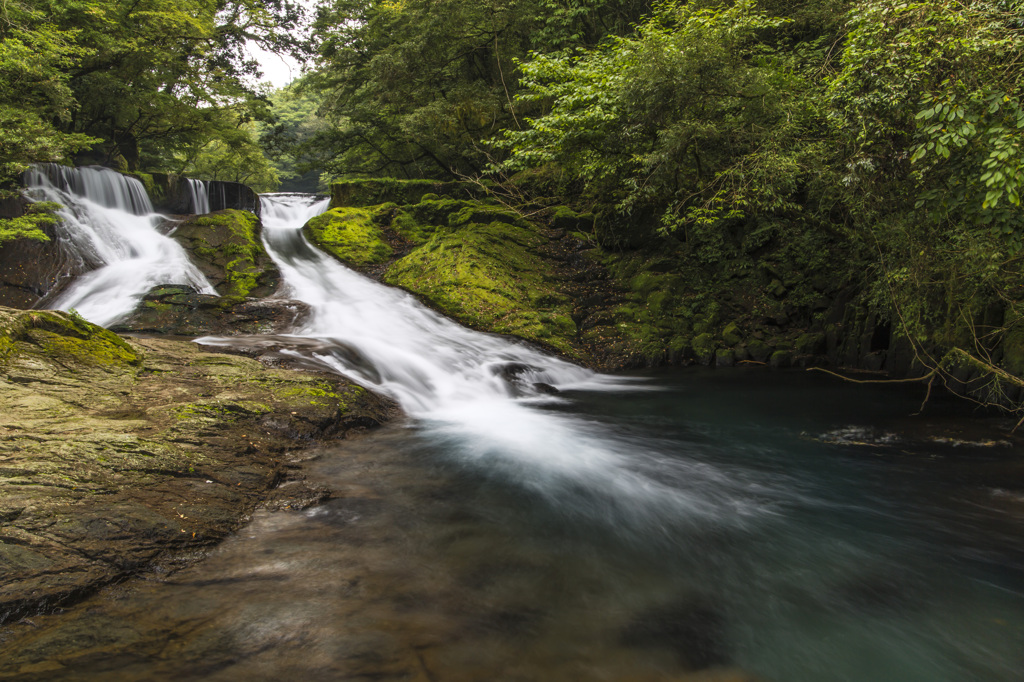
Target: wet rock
725,357
33,270
781,359
180,310
382,190
228,249
546,389
114,452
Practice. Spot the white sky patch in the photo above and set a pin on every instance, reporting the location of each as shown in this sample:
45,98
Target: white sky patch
278,70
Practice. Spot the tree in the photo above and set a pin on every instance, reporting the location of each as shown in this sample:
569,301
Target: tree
35,100
698,119
414,87
155,73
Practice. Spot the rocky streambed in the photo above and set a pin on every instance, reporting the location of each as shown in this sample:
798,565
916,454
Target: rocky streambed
118,454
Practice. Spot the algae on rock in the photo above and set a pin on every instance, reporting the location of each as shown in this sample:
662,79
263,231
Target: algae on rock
115,451
490,276
350,235
227,247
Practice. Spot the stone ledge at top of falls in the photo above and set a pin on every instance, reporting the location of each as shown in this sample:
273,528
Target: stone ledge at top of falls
116,452
373,191
170,193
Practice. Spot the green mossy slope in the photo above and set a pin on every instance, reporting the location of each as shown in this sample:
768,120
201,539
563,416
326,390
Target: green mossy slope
350,235
490,276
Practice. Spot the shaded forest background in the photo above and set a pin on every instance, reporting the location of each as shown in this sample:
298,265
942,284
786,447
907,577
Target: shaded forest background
875,145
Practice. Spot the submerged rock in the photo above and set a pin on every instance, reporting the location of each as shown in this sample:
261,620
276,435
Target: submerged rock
114,451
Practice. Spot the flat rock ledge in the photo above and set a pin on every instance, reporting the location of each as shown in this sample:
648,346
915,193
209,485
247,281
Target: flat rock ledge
118,455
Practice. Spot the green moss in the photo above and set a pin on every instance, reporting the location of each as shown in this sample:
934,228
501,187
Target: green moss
490,276
228,247
350,235
372,191
64,337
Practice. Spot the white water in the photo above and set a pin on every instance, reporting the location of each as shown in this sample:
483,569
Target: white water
199,193
111,224
454,382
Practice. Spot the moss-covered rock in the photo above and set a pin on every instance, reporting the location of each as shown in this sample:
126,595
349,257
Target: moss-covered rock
490,276
227,246
374,191
351,235
179,310
114,452
63,338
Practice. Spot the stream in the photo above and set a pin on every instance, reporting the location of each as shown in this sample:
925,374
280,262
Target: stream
533,520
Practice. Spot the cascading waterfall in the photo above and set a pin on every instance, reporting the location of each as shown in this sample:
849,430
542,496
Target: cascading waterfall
110,222
478,393
199,195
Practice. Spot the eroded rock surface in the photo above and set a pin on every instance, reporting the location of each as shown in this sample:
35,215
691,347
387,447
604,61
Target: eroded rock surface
114,451
180,310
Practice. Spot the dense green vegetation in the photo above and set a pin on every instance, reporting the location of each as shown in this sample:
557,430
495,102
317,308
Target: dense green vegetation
159,85
807,149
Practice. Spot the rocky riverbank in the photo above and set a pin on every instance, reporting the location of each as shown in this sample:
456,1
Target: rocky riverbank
117,454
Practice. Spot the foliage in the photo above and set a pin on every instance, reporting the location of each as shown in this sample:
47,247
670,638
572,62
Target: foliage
289,139
412,88
236,156
696,117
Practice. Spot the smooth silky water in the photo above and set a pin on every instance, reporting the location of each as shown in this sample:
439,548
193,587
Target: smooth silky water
109,223
781,524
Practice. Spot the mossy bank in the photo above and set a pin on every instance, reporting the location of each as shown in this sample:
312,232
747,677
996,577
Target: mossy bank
116,452
759,293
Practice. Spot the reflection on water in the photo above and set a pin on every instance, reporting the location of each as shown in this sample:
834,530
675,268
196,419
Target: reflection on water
891,556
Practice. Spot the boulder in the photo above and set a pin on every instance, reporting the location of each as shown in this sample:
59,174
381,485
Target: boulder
181,311
227,247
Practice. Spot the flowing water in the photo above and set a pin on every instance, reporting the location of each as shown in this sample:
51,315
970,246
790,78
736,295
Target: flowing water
199,196
624,528
110,223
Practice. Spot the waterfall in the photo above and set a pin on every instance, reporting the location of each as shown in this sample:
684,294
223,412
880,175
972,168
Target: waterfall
199,196
110,222
483,397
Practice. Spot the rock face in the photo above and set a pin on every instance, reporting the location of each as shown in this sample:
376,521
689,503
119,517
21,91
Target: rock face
32,270
383,190
181,311
226,246
114,451
170,193
350,235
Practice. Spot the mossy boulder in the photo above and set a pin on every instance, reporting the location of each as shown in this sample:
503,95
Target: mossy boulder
115,452
490,276
63,338
351,235
227,247
181,311
32,270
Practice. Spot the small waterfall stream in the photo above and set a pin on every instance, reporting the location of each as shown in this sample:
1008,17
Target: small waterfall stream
199,195
486,396
111,224
618,529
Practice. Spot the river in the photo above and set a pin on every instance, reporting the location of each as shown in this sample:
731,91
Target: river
646,527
